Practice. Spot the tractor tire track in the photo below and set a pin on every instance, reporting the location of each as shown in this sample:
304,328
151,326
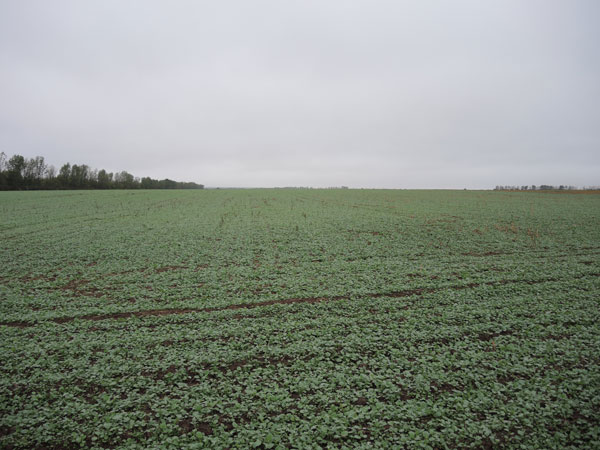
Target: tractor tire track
288,301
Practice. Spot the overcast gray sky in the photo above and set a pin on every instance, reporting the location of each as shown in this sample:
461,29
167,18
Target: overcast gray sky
392,94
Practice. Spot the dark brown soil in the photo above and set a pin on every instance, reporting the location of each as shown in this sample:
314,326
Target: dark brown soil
187,426
482,254
442,387
361,401
168,268
489,336
17,324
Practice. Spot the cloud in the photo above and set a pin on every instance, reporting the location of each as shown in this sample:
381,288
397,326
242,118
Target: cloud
366,94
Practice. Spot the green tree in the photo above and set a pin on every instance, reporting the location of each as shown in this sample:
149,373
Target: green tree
33,172
104,179
64,175
15,169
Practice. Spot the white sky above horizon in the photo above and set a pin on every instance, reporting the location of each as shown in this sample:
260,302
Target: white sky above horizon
389,94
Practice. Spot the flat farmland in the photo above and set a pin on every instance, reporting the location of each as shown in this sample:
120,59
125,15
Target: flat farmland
299,319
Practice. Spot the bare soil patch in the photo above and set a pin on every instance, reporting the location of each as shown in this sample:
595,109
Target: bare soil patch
169,268
491,253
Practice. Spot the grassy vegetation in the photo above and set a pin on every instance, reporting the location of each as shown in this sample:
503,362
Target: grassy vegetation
299,318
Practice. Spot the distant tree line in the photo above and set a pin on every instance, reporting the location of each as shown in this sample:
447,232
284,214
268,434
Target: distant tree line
544,187
19,173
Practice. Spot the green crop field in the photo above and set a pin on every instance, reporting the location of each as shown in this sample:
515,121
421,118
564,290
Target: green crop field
299,319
